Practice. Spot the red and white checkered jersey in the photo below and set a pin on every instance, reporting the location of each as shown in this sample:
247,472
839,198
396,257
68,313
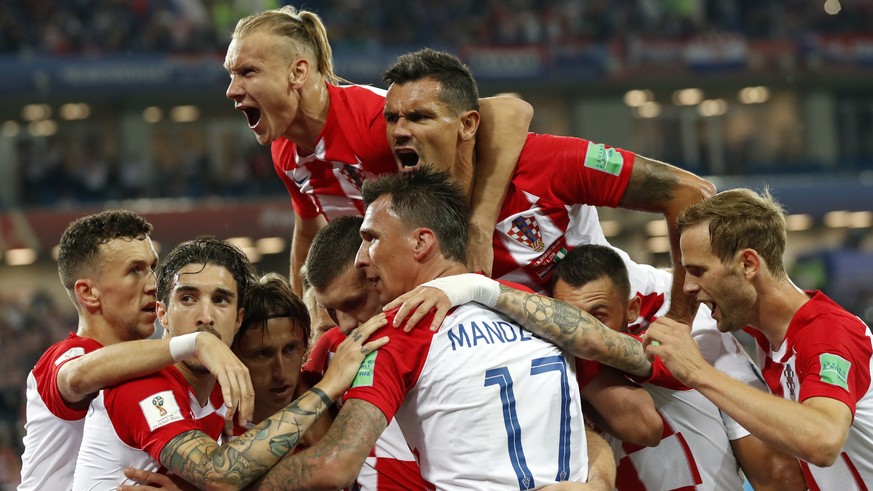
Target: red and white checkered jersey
129,424
351,148
479,401
54,430
696,443
390,465
828,352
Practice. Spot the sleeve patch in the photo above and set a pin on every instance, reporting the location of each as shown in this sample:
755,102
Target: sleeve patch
365,372
160,409
835,370
608,160
69,354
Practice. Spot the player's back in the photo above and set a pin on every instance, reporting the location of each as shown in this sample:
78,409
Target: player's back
494,404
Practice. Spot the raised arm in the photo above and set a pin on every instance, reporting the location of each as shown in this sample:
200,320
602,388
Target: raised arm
206,464
304,231
567,326
499,141
82,378
662,188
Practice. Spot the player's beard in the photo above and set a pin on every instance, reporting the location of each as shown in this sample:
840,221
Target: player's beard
737,304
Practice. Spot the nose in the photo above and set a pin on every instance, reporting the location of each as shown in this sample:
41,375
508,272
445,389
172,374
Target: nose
280,365
234,89
345,322
399,132
151,284
206,314
690,286
362,259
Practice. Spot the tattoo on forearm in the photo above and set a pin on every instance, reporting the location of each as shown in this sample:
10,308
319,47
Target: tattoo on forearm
572,329
650,182
196,457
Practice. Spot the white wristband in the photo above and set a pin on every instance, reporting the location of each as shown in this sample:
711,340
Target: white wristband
468,287
183,347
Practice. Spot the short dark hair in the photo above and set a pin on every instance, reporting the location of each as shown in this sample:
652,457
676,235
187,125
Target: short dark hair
428,198
591,262
206,250
333,251
270,297
459,90
79,248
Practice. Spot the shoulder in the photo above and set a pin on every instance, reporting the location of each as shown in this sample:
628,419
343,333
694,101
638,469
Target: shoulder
61,352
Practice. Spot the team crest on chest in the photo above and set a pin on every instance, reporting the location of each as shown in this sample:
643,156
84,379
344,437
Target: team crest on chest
526,231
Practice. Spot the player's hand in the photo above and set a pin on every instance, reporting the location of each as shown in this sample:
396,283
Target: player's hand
151,480
231,374
349,355
671,341
480,248
419,302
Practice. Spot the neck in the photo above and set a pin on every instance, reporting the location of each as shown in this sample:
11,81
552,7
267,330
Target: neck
96,328
778,303
465,163
313,104
201,383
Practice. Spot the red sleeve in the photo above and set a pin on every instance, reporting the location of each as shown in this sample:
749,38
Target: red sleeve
319,357
149,412
283,152
45,372
833,360
590,173
387,375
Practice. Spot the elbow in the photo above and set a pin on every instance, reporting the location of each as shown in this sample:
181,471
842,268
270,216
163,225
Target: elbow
649,430
74,384
822,451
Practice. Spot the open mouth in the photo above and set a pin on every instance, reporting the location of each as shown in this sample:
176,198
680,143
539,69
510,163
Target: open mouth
150,308
252,115
408,158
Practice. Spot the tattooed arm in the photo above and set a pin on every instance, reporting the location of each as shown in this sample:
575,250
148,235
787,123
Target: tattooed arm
662,188
333,462
197,458
201,461
573,330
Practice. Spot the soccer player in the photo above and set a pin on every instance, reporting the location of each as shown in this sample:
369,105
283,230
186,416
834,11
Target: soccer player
327,138
702,447
818,356
449,396
173,418
106,262
432,118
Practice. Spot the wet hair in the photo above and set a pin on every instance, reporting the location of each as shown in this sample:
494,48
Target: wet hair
458,87
271,297
79,249
428,198
302,26
591,262
741,219
333,251
205,250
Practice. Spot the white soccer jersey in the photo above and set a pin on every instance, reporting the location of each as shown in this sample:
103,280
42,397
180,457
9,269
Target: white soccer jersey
129,424
54,430
696,443
479,401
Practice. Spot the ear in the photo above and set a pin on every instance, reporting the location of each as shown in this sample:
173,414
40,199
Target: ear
87,294
425,241
469,125
298,73
751,262
161,311
634,306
